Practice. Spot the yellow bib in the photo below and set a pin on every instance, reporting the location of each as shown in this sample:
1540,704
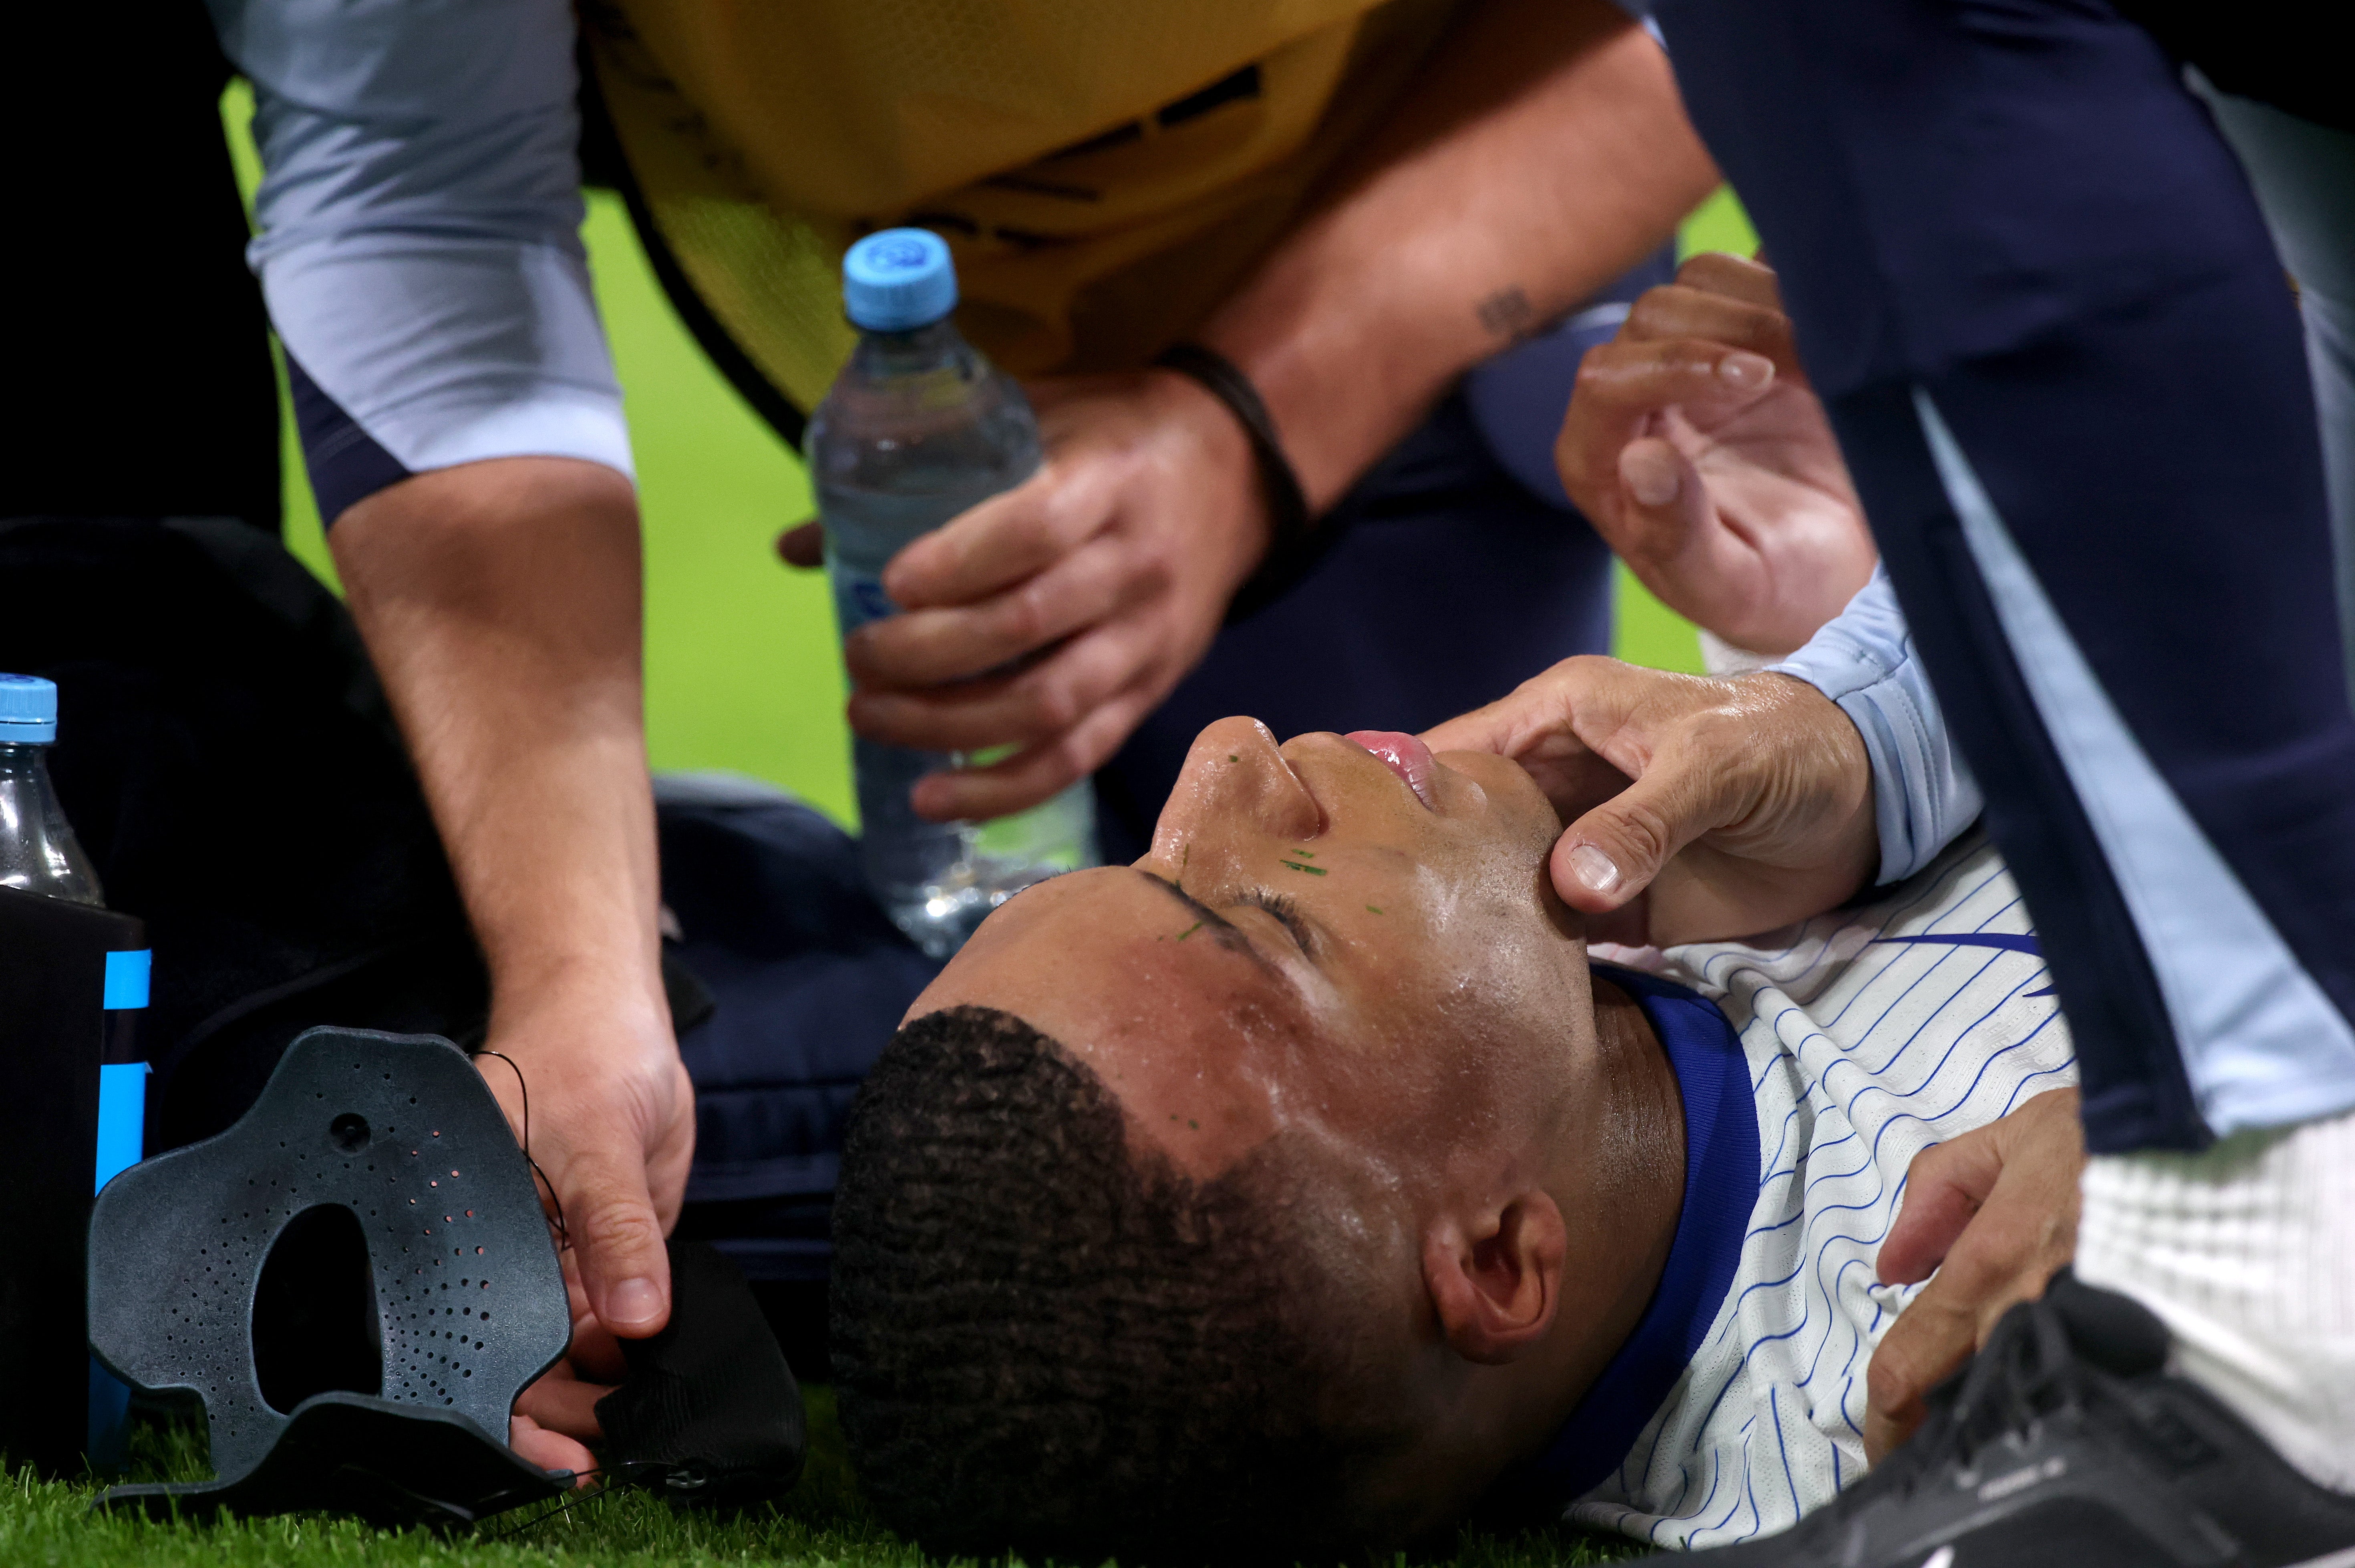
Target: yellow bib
1106,170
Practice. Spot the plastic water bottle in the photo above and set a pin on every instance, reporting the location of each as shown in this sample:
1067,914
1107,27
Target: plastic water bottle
39,854
918,428
38,851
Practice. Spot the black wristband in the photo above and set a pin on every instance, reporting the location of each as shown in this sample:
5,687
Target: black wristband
1292,546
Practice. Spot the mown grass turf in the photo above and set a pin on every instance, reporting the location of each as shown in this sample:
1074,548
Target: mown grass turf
822,1523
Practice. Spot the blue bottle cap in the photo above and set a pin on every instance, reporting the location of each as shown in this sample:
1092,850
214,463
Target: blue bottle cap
29,710
898,280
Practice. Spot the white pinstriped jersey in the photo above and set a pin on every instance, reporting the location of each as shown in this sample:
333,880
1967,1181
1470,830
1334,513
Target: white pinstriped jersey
1871,1033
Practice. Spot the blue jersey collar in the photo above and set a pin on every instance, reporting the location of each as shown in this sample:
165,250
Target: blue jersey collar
1721,1191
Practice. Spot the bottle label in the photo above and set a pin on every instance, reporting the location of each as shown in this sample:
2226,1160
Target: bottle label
859,599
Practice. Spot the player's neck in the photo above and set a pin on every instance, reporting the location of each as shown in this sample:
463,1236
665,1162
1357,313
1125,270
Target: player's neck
1619,1186
1625,1194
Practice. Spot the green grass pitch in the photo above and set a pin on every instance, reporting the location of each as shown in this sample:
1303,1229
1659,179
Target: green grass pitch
822,1523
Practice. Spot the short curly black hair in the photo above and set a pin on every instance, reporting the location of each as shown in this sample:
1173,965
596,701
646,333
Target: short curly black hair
1049,1340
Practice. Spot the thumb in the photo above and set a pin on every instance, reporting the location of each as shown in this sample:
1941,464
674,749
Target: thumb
1664,504
611,1219
804,546
1612,853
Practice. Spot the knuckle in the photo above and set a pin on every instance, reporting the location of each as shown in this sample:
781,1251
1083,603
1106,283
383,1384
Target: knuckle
1762,331
1719,732
1654,311
616,1224
1075,511
1927,1166
1889,1378
1646,832
1032,536
1707,267
1154,574
1024,619
1063,763
1980,1267
1053,706
1582,674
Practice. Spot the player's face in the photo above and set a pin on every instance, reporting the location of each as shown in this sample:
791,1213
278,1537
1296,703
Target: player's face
1363,948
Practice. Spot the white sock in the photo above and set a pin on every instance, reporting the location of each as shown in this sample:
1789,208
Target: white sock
2247,1252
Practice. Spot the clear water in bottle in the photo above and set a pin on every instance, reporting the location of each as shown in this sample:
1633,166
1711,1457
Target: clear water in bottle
38,851
918,428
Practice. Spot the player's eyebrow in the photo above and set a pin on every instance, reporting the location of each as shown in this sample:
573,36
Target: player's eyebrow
1227,933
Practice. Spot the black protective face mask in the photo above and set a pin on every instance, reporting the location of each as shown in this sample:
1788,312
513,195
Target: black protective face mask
356,1280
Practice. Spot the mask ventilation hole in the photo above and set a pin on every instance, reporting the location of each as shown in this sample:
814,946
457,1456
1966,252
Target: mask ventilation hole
314,1316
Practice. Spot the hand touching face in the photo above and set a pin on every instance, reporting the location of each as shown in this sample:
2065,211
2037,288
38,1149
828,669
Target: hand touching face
1360,947
1698,809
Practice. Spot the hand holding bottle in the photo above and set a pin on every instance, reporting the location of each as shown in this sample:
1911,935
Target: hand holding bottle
1095,585
919,437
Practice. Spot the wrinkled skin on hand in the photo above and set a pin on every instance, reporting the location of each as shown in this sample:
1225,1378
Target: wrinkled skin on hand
1699,451
556,1417
613,1127
1699,809
1054,617
1994,1212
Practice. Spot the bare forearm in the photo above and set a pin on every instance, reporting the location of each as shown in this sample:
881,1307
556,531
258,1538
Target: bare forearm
500,601
1542,152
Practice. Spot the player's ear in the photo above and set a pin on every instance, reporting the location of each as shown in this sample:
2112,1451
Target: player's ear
1494,1276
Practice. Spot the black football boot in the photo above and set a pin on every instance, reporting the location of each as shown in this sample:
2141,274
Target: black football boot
2066,1444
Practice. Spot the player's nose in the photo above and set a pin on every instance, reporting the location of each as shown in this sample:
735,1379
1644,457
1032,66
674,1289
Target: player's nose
1235,786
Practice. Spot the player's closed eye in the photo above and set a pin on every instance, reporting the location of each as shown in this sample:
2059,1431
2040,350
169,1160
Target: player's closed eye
1286,914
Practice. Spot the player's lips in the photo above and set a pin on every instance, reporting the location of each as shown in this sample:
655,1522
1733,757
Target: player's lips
1402,755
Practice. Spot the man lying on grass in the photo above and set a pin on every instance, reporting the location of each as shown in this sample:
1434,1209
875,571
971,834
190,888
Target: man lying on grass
1304,1185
